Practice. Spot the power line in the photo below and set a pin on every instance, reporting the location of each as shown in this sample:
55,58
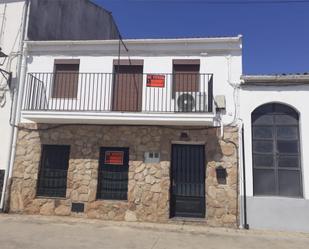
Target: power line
239,2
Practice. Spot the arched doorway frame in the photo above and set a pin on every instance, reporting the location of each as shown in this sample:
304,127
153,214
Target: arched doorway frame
276,153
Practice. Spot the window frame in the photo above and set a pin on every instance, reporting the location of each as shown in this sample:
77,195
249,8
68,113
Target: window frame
55,92
44,152
184,68
273,110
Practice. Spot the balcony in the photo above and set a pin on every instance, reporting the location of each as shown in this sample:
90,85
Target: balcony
114,98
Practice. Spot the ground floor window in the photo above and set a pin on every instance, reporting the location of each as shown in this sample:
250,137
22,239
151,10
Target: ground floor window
276,151
113,173
52,178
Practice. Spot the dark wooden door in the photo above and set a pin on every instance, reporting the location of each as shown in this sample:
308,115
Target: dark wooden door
128,84
188,181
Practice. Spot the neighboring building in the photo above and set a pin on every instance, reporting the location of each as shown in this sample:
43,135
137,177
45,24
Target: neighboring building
39,20
147,136
70,20
275,116
11,33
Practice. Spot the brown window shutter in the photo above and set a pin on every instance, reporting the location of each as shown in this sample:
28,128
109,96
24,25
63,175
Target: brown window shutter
186,77
66,80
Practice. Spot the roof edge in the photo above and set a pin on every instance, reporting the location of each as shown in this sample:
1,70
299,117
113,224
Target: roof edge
139,41
290,79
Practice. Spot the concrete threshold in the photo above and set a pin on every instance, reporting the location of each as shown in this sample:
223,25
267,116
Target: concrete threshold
188,221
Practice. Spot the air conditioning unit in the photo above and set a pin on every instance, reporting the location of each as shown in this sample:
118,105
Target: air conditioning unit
191,102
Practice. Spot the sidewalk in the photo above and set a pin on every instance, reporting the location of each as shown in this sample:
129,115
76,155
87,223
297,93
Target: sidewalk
39,232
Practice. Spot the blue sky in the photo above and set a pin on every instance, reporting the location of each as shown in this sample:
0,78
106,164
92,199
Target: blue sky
276,36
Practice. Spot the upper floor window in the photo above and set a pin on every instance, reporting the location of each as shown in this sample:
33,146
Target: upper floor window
66,79
276,151
190,87
186,75
52,180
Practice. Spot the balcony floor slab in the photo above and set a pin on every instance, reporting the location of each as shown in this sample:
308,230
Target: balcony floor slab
123,118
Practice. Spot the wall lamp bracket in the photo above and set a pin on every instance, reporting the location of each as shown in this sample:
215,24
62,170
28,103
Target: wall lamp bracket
3,57
7,75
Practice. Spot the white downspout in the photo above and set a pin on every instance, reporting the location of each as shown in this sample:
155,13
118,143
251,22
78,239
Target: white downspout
21,74
19,102
238,122
15,129
236,87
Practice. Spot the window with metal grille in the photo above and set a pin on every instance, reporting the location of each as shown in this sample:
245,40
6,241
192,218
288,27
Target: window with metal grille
66,79
276,151
52,180
113,174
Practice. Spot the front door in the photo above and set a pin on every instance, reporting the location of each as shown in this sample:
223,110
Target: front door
188,181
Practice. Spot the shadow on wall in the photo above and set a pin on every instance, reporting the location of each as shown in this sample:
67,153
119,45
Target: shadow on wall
6,86
86,140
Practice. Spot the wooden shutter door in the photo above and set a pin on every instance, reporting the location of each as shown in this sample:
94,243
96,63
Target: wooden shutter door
128,84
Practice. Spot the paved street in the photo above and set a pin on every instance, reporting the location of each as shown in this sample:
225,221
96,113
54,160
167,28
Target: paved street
34,232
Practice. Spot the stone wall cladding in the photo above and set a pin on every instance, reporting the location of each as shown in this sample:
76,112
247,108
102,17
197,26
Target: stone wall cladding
149,184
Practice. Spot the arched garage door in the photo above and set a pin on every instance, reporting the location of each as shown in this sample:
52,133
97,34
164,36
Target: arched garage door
276,151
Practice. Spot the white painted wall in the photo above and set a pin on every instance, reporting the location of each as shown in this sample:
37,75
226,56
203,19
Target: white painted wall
11,12
277,212
225,65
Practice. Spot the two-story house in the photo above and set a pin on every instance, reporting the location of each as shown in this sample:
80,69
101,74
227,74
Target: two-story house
37,20
136,130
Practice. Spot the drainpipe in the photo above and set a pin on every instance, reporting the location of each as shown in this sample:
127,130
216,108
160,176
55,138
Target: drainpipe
245,225
15,128
241,129
16,106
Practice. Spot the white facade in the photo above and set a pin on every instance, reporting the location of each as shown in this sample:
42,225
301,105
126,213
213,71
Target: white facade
221,57
11,30
273,212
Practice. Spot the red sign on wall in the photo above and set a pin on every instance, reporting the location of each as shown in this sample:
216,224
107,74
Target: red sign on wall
114,157
154,80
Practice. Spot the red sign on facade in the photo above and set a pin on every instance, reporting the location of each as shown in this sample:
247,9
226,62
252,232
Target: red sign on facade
154,80
114,157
